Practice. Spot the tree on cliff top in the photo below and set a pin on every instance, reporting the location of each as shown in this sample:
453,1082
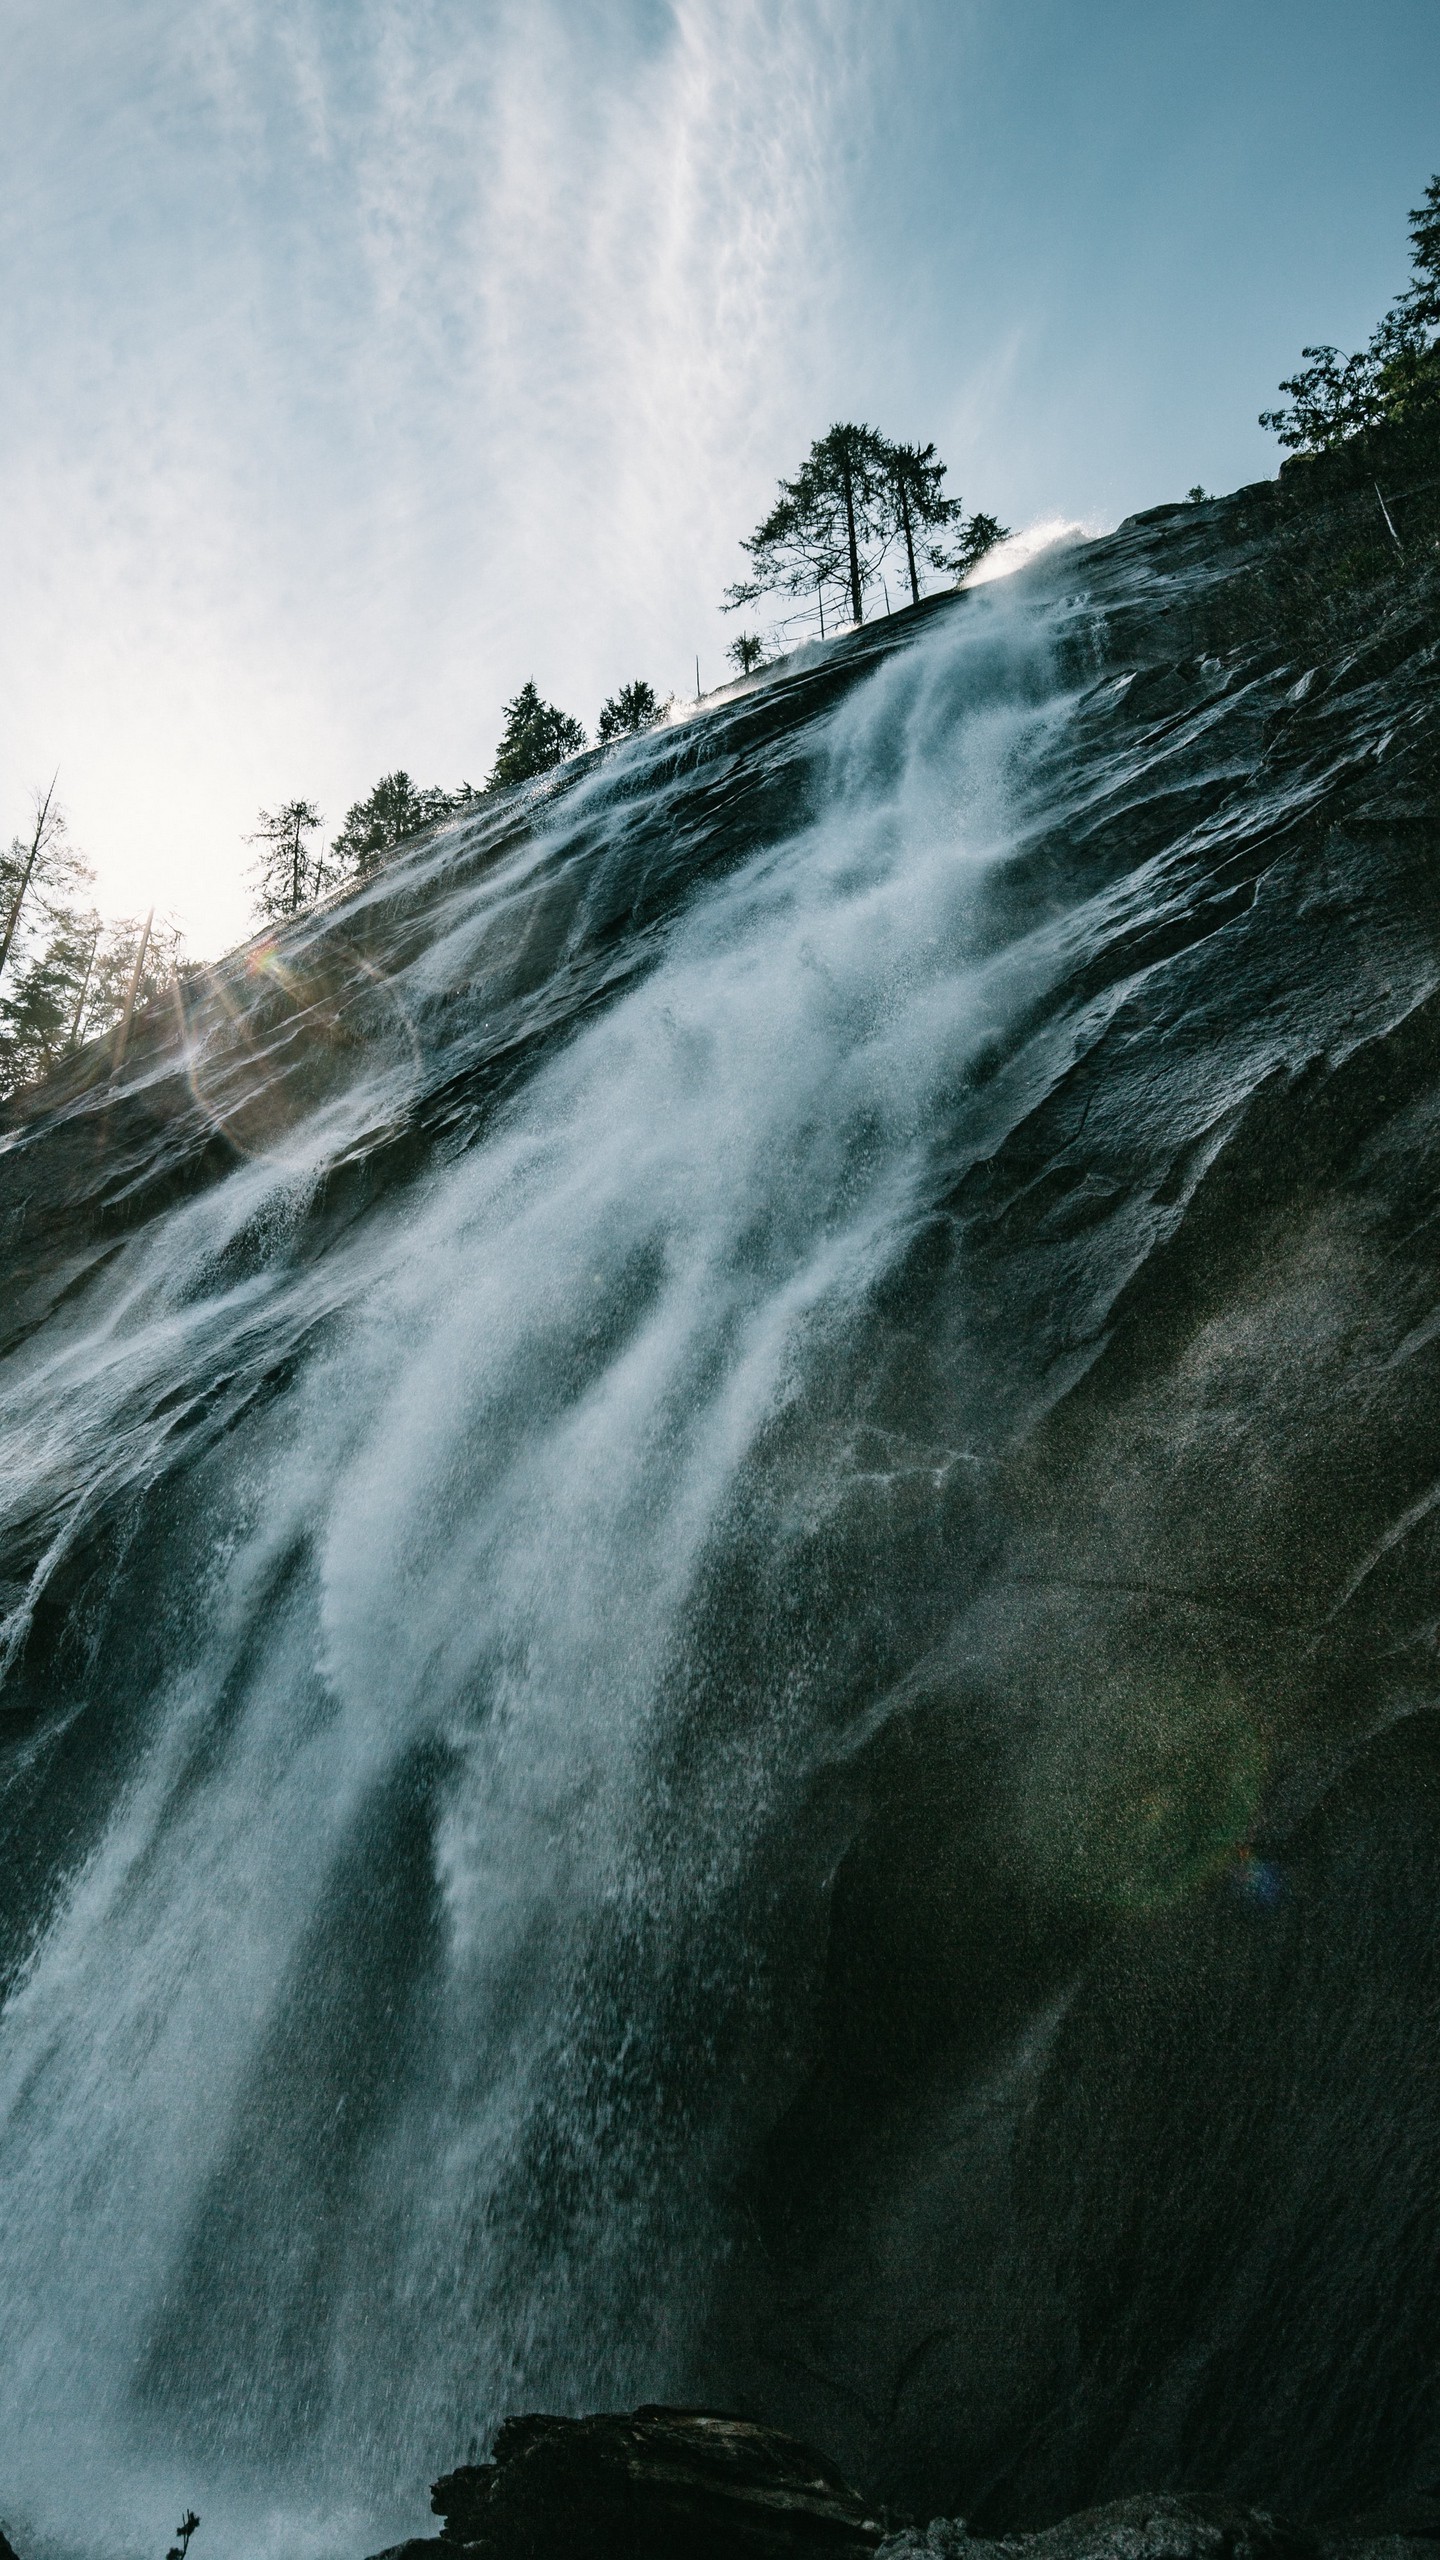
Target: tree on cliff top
853,498
629,713
1423,297
746,653
1395,379
918,507
849,469
287,871
825,525
42,998
535,738
39,865
70,977
396,809
975,536
48,933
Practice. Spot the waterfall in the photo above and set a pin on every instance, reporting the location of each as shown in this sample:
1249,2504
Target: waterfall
717,1603
447,1605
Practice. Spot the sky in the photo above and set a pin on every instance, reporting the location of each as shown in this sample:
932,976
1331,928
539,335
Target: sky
363,358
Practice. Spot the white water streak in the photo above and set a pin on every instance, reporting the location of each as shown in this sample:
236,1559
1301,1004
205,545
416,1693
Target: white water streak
534,1386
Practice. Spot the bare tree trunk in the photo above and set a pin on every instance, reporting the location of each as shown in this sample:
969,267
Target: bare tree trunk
854,547
18,900
122,1036
909,543
84,988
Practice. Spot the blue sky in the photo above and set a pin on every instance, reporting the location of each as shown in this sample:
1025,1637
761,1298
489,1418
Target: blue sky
362,358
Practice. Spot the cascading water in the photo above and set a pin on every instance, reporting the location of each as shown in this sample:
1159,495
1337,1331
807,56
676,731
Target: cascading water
678,1493
368,2075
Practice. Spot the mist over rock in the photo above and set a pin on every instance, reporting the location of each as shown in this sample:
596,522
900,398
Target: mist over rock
720,1577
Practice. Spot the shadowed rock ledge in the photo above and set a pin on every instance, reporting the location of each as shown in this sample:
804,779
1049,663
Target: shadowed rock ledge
691,2484
644,2486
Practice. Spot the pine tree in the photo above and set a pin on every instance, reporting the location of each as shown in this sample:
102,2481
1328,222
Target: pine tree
47,935
629,712
38,865
1423,298
1395,379
146,952
88,937
38,1004
977,534
395,810
287,873
826,524
73,978
67,977
833,524
852,463
1333,397
796,551
746,653
918,506
536,737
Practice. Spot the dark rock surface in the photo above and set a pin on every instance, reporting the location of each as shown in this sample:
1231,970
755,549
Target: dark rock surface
995,2036
1164,2528
1116,2156
658,2484
678,2484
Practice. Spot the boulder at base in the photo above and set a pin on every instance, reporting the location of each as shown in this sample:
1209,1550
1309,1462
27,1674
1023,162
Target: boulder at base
660,2484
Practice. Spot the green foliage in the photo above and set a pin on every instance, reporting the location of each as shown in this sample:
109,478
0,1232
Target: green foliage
628,713
46,929
394,811
1422,301
746,653
536,737
855,497
826,525
36,868
1406,355
39,1001
918,506
1332,397
145,952
66,976
288,872
1394,380
978,534
849,468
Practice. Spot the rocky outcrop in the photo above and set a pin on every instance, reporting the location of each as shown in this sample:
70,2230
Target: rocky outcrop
688,2484
1194,2528
654,2485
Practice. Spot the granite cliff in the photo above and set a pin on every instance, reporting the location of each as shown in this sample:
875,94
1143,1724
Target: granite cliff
720,1547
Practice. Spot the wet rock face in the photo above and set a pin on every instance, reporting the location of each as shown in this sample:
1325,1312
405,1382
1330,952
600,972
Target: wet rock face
1128,2529
676,2484
1120,2087
889,1879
